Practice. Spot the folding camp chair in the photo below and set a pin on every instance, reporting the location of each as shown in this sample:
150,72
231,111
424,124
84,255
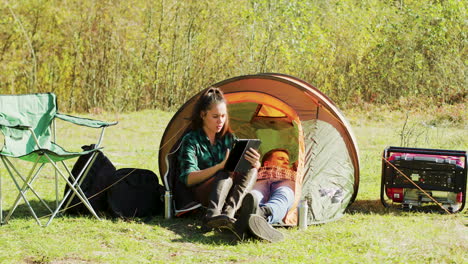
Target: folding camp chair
26,122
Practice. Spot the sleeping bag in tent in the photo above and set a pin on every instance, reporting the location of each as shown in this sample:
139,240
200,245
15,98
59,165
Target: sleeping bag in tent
283,112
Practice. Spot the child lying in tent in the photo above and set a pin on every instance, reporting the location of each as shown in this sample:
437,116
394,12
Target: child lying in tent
270,199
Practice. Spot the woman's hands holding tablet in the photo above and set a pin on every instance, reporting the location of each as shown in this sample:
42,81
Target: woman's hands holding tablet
252,156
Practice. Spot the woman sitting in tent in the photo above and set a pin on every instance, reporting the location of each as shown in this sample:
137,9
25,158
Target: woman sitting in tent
202,156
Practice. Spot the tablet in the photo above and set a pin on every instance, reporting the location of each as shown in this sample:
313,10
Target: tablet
236,161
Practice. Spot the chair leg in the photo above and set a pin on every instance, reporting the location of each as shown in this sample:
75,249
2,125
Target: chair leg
77,183
21,194
78,192
81,175
74,188
27,184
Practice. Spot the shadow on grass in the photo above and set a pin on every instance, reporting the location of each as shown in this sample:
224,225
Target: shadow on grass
367,207
22,211
376,207
190,229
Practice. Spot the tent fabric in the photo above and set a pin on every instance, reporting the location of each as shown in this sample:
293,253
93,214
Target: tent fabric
284,111
275,132
261,98
328,177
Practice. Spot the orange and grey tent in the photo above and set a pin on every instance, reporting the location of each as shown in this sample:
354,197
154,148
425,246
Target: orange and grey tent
283,112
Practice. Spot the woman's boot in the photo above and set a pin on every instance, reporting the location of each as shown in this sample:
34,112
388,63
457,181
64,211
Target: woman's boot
221,187
241,187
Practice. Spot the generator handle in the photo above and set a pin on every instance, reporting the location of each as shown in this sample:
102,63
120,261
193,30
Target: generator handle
382,180
443,152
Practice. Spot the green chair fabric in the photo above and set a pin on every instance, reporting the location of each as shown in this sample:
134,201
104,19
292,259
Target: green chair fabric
25,121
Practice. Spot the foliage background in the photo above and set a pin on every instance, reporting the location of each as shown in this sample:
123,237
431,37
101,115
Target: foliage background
378,55
139,54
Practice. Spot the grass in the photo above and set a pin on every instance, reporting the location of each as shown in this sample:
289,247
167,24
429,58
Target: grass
368,233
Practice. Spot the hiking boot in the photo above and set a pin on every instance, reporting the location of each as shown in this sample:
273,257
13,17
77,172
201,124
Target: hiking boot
249,206
220,221
217,197
264,211
263,230
238,191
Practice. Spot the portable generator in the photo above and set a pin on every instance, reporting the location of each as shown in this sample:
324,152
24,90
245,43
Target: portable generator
413,176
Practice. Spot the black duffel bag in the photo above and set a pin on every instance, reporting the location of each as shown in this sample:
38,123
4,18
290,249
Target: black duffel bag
136,193
94,184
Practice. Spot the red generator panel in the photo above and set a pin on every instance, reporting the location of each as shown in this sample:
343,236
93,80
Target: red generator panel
440,173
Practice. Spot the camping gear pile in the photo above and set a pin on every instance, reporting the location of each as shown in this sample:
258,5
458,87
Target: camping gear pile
92,187
124,193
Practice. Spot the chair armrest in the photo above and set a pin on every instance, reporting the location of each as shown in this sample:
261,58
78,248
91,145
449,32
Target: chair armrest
12,122
84,121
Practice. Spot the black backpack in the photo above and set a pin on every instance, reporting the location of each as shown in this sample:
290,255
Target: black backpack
99,177
137,193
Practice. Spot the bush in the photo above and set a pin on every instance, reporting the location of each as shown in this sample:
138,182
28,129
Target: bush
133,55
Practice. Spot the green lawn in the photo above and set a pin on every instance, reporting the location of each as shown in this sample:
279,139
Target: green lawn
368,233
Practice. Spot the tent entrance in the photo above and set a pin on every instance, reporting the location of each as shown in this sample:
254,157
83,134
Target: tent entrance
258,115
275,123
